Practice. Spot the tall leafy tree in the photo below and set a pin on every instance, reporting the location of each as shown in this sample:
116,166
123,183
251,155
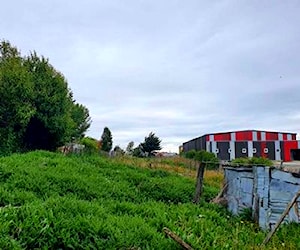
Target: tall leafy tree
81,118
51,124
106,140
37,110
16,90
151,144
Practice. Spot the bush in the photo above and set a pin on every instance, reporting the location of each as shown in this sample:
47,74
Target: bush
204,156
254,161
190,154
90,145
243,161
260,161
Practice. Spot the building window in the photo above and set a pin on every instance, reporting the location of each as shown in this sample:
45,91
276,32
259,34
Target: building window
254,151
217,150
266,150
244,150
278,150
229,150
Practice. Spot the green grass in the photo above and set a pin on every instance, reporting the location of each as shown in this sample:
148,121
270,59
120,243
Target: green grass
49,201
252,161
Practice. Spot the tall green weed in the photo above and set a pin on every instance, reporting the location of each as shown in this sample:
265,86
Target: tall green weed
50,201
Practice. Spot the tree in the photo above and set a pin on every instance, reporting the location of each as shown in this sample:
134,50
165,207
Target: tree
52,124
16,90
129,148
138,151
151,143
118,151
81,118
106,140
37,110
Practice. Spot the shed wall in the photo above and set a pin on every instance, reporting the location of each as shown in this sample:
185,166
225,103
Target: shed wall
265,190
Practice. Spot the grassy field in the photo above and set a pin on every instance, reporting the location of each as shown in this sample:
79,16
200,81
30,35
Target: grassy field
49,201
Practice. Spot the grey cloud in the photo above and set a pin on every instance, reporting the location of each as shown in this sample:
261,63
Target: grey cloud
179,69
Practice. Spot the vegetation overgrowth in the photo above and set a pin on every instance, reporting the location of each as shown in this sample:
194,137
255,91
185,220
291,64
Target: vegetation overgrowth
37,108
210,159
251,161
51,201
213,179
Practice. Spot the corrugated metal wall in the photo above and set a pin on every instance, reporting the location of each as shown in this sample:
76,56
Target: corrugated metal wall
265,190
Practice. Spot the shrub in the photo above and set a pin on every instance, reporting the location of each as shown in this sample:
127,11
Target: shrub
253,161
242,161
211,160
190,154
260,161
90,145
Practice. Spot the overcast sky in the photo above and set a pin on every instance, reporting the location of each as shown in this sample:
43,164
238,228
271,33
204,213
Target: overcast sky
178,68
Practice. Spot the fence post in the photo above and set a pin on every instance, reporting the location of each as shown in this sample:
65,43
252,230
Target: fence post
199,182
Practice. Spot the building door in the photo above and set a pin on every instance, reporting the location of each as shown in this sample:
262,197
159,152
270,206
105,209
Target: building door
295,154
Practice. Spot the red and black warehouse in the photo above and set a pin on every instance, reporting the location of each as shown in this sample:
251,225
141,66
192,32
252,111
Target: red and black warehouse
249,143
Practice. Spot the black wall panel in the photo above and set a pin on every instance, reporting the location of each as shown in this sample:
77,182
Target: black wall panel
223,151
203,142
195,144
239,147
282,150
198,144
271,150
257,145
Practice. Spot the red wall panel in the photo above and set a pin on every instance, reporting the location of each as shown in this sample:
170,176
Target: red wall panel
258,136
288,145
243,136
284,137
222,137
271,136
262,152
